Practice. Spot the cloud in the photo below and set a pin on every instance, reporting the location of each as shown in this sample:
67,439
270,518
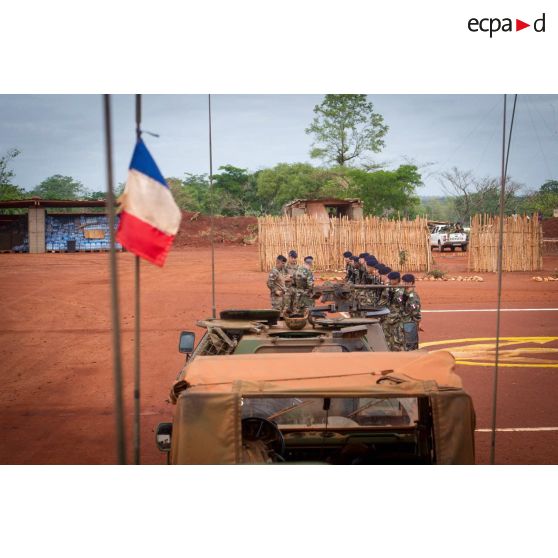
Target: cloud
64,134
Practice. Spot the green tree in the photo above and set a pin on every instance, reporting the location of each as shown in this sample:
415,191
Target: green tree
387,192
286,182
7,174
58,187
544,201
473,195
438,208
8,190
11,192
182,195
345,129
550,186
197,187
235,191
96,195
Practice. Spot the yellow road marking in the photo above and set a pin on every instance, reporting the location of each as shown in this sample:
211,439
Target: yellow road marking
484,348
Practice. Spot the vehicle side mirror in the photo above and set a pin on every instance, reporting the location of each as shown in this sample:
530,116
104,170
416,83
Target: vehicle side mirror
186,342
163,436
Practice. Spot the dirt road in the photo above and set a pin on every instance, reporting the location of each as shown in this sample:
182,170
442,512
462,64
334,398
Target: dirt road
55,348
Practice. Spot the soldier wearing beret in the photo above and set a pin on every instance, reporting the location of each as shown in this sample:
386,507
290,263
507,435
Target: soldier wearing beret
276,283
411,313
368,296
349,267
393,324
292,264
356,271
299,296
362,267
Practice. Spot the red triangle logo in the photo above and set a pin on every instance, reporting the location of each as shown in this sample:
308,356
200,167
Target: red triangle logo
519,25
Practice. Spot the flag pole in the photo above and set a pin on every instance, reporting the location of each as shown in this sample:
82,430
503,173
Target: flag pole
211,201
137,367
115,310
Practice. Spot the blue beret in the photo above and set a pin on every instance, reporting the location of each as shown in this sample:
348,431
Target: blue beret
370,262
363,255
355,259
347,254
394,275
373,260
308,259
293,254
408,278
282,258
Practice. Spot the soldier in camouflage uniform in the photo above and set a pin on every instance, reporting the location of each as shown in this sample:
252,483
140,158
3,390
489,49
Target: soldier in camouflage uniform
348,257
411,313
355,277
276,284
383,272
292,264
368,297
300,294
393,324
362,267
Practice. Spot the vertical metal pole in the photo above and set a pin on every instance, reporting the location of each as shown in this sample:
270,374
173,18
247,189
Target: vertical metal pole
499,268
115,308
137,366
213,308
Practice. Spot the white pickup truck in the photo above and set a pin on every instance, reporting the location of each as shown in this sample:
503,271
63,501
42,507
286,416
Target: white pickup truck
442,236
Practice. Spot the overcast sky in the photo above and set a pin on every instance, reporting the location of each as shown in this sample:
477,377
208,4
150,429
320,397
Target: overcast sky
63,134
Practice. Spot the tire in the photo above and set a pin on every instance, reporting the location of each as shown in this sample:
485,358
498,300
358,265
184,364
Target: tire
464,247
452,248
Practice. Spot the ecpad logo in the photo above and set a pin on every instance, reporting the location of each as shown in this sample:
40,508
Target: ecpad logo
493,25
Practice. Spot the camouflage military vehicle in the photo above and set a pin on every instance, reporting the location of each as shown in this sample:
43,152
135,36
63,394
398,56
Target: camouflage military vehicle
263,332
251,393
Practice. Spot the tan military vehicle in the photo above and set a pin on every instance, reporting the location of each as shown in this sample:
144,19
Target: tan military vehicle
317,400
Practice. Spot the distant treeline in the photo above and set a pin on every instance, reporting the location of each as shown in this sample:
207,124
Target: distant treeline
346,133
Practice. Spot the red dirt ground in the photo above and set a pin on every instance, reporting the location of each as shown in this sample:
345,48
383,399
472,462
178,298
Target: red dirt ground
195,230
55,348
550,227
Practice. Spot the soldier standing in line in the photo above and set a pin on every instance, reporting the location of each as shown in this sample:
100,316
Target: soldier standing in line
393,325
376,273
356,271
383,272
367,296
372,278
292,264
348,257
276,284
362,267
299,296
411,313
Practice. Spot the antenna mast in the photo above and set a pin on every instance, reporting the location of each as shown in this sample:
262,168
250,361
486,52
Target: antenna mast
211,208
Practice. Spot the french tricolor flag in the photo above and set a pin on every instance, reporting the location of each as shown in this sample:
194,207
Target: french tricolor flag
149,216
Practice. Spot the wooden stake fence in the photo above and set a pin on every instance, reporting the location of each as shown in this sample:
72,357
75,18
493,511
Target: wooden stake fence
522,245
402,244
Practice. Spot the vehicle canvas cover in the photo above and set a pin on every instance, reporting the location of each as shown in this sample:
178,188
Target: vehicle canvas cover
207,426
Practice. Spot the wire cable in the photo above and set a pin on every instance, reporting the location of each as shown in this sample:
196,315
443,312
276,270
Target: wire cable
505,157
211,202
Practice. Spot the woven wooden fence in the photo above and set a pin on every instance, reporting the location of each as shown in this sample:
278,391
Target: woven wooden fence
522,246
402,244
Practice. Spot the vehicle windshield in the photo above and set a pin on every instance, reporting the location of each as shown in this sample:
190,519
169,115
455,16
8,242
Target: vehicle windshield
343,412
